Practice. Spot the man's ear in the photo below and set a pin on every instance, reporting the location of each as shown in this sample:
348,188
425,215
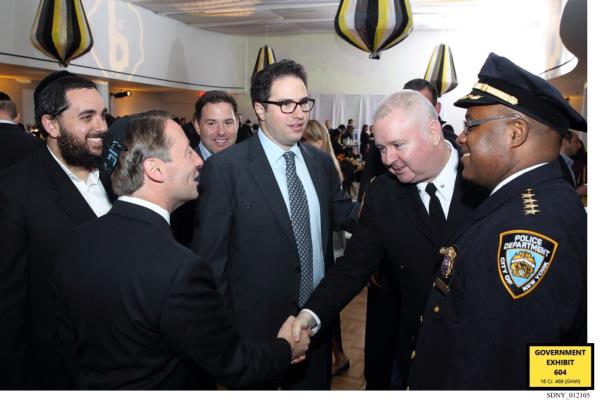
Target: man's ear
154,169
519,131
438,108
260,111
434,131
51,125
17,118
196,125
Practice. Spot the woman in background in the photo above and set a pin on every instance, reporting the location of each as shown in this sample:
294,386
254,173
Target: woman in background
317,135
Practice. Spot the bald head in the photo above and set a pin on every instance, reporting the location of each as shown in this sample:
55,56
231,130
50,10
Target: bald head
412,104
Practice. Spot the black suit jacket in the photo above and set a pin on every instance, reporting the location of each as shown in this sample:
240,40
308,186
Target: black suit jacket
139,310
39,207
16,144
394,226
246,234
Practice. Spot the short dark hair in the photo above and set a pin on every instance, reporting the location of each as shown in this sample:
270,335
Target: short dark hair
9,107
213,97
145,137
262,81
52,99
418,84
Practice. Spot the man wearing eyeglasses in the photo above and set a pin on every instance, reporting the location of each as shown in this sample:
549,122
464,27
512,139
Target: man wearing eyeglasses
516,274
266,216
42,199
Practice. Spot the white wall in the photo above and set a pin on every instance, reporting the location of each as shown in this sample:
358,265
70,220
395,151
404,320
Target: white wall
333,66
135,44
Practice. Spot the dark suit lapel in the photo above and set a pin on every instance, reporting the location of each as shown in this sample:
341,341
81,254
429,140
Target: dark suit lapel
68,197
413,210
260,170
318,179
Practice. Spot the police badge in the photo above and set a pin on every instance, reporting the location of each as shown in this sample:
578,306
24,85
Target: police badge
442,282
524,258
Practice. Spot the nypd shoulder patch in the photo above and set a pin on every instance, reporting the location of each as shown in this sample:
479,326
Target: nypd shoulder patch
524,258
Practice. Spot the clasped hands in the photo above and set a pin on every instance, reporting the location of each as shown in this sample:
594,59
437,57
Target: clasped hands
297,332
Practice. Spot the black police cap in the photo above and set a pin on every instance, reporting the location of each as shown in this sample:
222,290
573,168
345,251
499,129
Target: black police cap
4,96
113,144
48,80
503,82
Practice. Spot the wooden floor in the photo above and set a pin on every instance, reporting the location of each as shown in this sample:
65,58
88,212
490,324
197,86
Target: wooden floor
353,339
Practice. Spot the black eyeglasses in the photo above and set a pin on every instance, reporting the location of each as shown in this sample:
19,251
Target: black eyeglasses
468,125
289,106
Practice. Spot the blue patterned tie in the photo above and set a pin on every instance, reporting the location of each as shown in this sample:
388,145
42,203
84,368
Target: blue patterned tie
301,225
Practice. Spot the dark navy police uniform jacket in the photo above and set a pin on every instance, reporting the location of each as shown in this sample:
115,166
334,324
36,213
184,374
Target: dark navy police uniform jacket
516,275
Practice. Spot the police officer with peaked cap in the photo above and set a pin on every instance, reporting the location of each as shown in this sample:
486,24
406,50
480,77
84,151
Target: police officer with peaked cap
516,274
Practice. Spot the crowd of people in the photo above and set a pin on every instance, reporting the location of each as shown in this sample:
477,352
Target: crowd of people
162,254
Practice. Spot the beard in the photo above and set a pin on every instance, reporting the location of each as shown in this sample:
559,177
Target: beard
75,152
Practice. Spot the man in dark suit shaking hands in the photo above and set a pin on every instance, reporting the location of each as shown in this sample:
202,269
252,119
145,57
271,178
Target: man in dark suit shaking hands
405,217
138,310
266,214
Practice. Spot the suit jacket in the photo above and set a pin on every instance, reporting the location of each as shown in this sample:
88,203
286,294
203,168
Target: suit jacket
137,310
246,234
39,207
16,144
394,226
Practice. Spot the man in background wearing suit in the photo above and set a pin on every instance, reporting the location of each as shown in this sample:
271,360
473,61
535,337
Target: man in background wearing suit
42,198
215,121
15,144
266,215
137,310
406,215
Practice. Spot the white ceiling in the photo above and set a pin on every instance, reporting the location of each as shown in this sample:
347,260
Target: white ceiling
284,17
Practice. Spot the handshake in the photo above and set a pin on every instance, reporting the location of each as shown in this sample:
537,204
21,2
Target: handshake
297,332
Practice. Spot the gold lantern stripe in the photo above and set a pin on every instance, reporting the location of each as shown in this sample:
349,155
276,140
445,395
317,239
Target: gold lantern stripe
403,14
345,20
266,56
61,30
373,25
440,70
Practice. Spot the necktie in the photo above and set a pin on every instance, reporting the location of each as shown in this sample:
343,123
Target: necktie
436,213
300,218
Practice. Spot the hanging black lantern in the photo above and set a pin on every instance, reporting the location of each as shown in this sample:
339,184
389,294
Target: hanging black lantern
374,25
266,56
61,30
440,70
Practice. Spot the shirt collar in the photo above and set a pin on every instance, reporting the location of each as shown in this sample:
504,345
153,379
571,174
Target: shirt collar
275,152
444,182
149,205
515,175
8,122
204,151
567,159
93,176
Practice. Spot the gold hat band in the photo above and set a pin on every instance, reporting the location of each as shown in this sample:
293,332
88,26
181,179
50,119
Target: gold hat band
496,92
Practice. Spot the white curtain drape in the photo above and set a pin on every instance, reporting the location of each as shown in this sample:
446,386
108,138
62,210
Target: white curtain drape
340,108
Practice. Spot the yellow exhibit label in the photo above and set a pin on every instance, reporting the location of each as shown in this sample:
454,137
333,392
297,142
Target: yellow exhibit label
561,366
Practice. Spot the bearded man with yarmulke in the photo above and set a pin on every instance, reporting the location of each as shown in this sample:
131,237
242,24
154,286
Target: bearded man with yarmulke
42,198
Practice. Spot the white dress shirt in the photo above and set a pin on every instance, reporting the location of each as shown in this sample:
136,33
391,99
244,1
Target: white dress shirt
444,183
92,190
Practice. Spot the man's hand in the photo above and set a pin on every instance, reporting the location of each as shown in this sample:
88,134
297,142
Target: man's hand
304,322
299,346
